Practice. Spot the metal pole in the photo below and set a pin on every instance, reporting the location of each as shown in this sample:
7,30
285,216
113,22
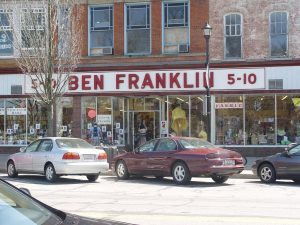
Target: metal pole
208,100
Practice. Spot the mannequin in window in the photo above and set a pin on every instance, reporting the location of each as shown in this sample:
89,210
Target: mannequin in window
202,134
179,122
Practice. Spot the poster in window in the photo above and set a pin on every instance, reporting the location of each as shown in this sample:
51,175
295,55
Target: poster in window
31,131
118,125
16,126
37,126
64,128
89,126
9,131
121,131
108,133
103,128
163,127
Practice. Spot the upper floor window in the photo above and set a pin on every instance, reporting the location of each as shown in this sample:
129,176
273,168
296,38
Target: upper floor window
176,27
138,29
101,30
233,36
6,35
278,34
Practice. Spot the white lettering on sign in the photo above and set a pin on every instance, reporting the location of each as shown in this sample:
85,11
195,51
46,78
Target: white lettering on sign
16,111
104,119
229,105
163,80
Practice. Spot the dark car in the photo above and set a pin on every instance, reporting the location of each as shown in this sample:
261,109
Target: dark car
180,157
285,165
18,207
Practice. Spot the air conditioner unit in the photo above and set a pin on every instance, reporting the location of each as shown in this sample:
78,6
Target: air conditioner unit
102,51
183,48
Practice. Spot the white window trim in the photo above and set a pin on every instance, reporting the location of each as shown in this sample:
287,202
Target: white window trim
242,37
89,26
163,25
125,29
287,35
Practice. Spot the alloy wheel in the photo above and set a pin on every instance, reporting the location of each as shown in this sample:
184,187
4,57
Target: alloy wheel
267,173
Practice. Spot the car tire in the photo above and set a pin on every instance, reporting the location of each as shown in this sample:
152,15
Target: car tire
267,173
92,177
121,170
219,179
50,173
11,169
181,173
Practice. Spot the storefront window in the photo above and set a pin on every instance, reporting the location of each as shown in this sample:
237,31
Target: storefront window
104,118
179,115
118,128
2,113
36,121
288,119
88,112
16,121
136,104
198,120
229,120
64,116
152,103
260,119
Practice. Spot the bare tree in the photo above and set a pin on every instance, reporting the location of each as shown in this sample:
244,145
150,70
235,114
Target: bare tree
46,35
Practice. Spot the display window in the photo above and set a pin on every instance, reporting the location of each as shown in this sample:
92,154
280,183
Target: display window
179,115
104,119
260,120
88,115
64,114
36,120
118,122
2,131
288,119
16,121
198,120
229,120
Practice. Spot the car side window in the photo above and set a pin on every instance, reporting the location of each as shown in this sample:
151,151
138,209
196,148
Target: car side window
45,146
166,145
148,147
33,146
295,150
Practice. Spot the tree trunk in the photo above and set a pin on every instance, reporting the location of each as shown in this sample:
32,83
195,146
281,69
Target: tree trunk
50,120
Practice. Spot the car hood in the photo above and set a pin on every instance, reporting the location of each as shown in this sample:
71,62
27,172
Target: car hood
221,152
78,220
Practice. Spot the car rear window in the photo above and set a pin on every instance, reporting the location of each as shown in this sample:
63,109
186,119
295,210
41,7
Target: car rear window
73,143
195,143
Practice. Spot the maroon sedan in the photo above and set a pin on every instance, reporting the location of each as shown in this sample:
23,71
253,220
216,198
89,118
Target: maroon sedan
180,157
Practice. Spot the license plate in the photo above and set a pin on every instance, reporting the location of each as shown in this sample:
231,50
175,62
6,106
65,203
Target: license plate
228,162
89,157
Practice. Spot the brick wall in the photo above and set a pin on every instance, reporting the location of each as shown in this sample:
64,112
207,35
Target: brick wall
119,28
255,17
156,26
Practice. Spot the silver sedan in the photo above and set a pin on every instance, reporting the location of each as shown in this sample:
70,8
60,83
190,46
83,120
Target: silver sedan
56,156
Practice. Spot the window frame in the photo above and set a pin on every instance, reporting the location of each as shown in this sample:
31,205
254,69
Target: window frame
8,28
149,26
270,35
225,35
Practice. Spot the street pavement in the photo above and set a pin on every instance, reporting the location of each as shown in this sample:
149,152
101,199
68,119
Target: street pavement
148,201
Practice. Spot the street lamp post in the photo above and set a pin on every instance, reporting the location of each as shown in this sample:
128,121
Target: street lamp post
207,33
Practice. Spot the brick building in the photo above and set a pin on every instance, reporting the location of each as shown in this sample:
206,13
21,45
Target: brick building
144,60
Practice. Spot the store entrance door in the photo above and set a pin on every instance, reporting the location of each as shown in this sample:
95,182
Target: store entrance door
140,136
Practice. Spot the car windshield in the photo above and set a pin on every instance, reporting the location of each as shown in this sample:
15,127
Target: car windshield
73,143
195,143
17,208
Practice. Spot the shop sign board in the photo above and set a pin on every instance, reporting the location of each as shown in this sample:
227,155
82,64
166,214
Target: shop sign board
229,105
16,111
104,119
163,80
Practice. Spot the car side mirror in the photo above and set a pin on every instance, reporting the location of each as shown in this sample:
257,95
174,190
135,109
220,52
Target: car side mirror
286,153
25,190
22,149
136,151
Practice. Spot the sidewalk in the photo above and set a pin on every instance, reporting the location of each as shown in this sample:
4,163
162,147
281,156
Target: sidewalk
246,174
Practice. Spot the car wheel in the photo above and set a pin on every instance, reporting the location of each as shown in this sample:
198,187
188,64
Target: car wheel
122,171
50,173
11,169
219,179
92,177
267,173
181,173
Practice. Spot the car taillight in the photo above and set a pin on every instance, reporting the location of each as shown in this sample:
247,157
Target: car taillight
71,155
102,155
